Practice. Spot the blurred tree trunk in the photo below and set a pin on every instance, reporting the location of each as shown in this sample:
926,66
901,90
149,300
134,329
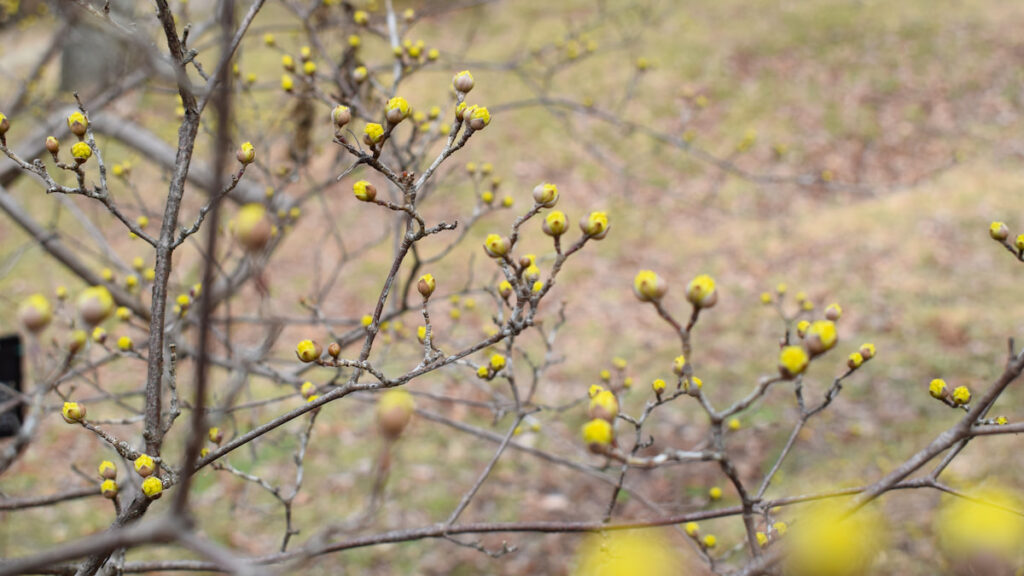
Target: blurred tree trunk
93,58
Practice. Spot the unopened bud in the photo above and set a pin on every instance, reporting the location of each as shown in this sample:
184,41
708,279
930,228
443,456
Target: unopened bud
426,285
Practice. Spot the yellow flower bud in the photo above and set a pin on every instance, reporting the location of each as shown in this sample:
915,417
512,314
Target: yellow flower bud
496,246
505,289
497,362
360,17
373,133
99,335
81,152
341,115
152,487
701,292
433,54
215,434
734,424
801,328
77,341
73,412
426,285
998,231
364,191
308,351
604,405
108,488
366,320
287,84
715,493
937,388
821,336
854,361
961,395
792,361
595,225
463,82
710,541
397,110
107,469
78,123
52,144
691,529
833,312
124,344
648,286
658,386
867,350
307,389
597,434
679,365
359,74
144,465
269,39
246,153
545,194
480,118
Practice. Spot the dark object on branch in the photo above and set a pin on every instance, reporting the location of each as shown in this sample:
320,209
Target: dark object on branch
10,380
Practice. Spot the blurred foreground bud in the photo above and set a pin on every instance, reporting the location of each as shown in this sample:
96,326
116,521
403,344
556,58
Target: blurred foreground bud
648,286
95,305
394,411
597,434
981,535
252,227
640,552
829,543
35,313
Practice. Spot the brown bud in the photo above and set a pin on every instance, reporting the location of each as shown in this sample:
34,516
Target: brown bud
52,145
334,349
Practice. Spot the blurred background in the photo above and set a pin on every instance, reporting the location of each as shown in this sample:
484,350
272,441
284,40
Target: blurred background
854,150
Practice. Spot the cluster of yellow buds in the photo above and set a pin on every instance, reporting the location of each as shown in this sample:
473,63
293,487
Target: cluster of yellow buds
960,396
706,542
